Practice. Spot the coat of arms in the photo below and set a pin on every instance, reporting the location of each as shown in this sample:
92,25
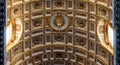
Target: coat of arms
59,21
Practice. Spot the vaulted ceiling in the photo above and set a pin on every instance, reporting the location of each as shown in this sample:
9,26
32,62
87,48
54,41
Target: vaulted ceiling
73,31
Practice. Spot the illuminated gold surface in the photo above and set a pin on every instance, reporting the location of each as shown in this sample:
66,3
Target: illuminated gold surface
102,31
16,33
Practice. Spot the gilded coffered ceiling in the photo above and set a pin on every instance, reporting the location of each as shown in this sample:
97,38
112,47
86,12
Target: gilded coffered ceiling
72,30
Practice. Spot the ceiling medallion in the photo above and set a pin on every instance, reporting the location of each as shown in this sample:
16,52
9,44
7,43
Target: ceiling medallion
59,21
